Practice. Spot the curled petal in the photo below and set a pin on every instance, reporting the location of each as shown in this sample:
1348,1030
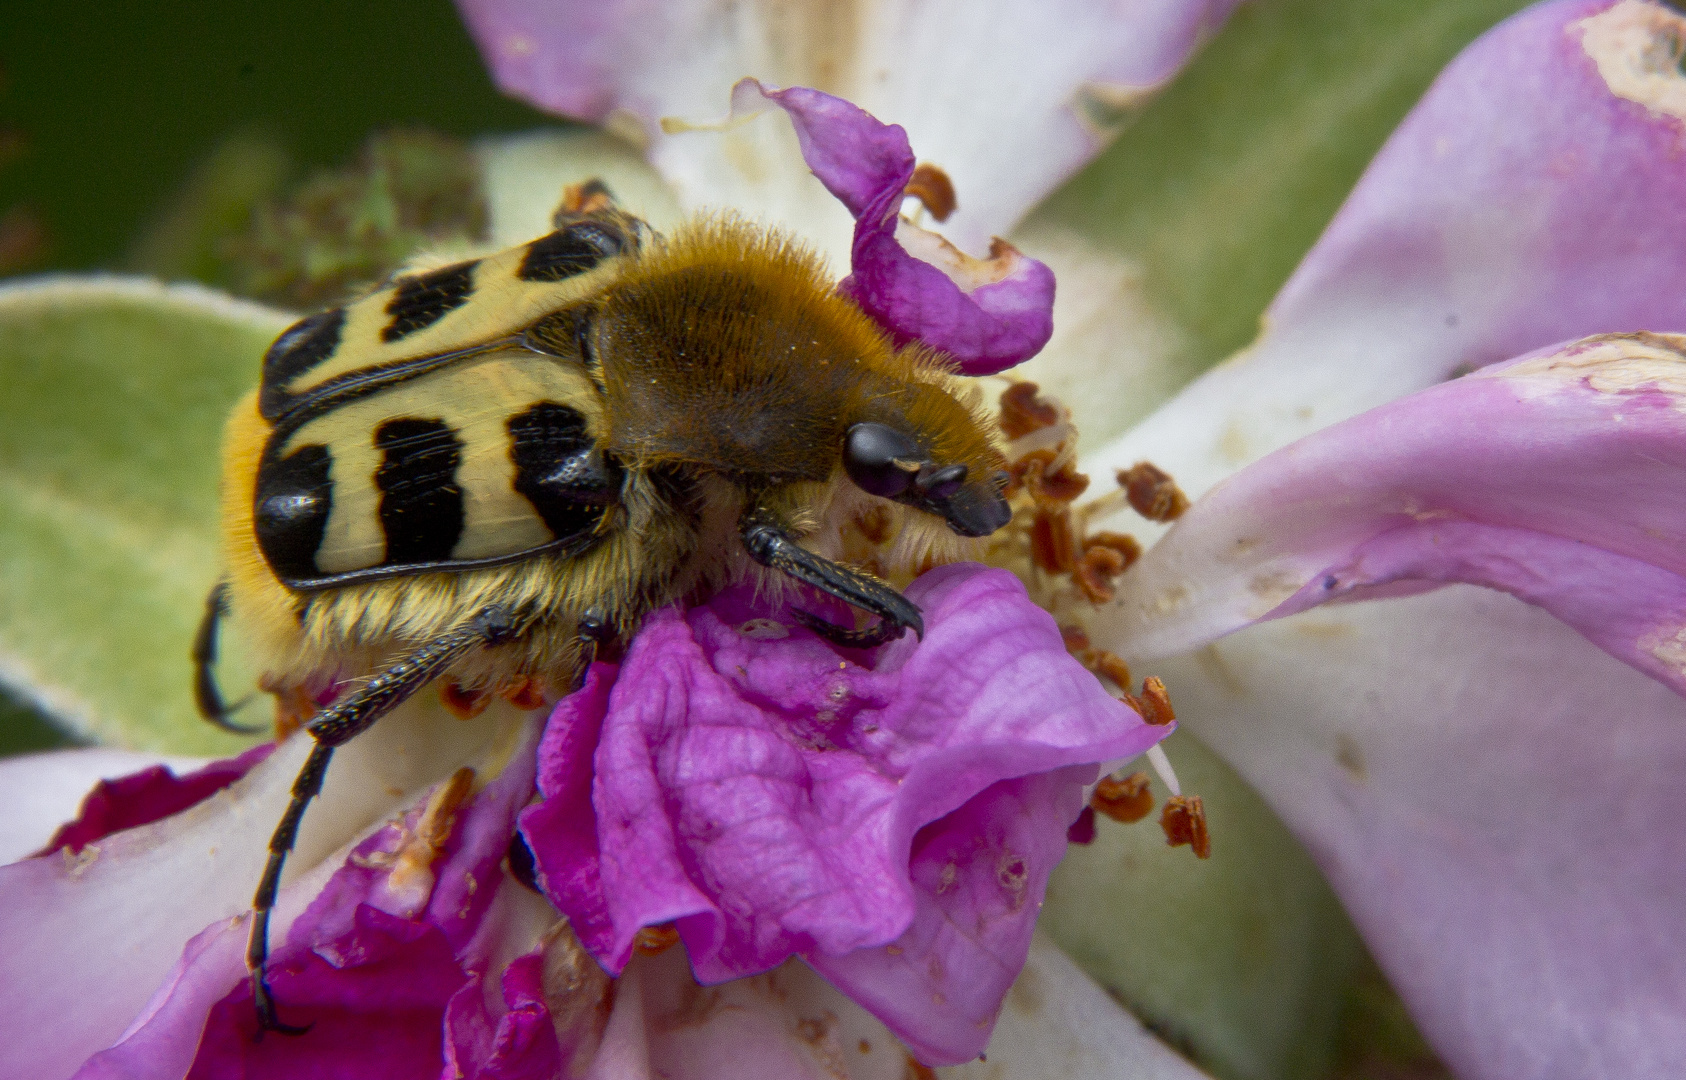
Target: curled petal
44,791
373,961
988,314
1008,98
1557,477
140,798
772,796
1534,195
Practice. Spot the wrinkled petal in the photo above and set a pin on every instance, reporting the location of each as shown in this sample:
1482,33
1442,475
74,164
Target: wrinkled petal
1527,199
988,314
142,894
1497,802
1558,477
372,963
43,791
772,796
140,798
1008,98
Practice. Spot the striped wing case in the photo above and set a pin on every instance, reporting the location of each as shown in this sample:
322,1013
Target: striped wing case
427,428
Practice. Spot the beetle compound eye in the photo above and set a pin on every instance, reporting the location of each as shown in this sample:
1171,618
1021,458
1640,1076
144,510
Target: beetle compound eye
941,483
880,460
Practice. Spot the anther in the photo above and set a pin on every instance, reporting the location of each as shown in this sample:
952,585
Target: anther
1154,703
1127,800
1152,492
934,190
1053,544
1022,412
1111,666
1184,822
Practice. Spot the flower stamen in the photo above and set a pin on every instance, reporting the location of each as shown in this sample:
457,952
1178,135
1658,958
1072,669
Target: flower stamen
1125,800
1184,822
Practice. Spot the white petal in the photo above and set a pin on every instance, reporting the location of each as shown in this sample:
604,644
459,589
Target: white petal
44,791
1499,806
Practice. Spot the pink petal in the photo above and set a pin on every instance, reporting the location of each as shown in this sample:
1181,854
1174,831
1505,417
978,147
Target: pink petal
46,790
1498,804
1009,98
987,314
143,893
1522,202
1557,477
149,795
519,1045
374,960
776,797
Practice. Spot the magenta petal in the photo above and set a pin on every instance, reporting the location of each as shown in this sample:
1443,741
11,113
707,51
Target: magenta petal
147,796
375,1005
775,797
941,983
987,314
1559,478
373,961
519,1045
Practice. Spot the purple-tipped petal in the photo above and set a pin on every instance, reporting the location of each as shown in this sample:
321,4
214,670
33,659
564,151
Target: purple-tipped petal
988,314
1499,806
372,963
1559,477
1534,195
772,796
46,790
1009,98
519,1045
140,798
143,893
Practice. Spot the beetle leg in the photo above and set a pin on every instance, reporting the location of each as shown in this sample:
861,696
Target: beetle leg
334,726
773,547
207,696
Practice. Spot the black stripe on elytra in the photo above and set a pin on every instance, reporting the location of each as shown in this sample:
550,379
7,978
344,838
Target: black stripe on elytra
422,300
560,469
421,502
300,347
568,252
290,509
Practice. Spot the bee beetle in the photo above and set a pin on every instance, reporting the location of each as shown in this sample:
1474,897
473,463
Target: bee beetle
483,470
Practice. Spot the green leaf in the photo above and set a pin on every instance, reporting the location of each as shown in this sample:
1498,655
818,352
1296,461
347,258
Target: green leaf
1224,181
114,395
1241,960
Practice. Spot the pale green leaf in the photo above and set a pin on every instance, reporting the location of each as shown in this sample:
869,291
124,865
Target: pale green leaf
114,393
